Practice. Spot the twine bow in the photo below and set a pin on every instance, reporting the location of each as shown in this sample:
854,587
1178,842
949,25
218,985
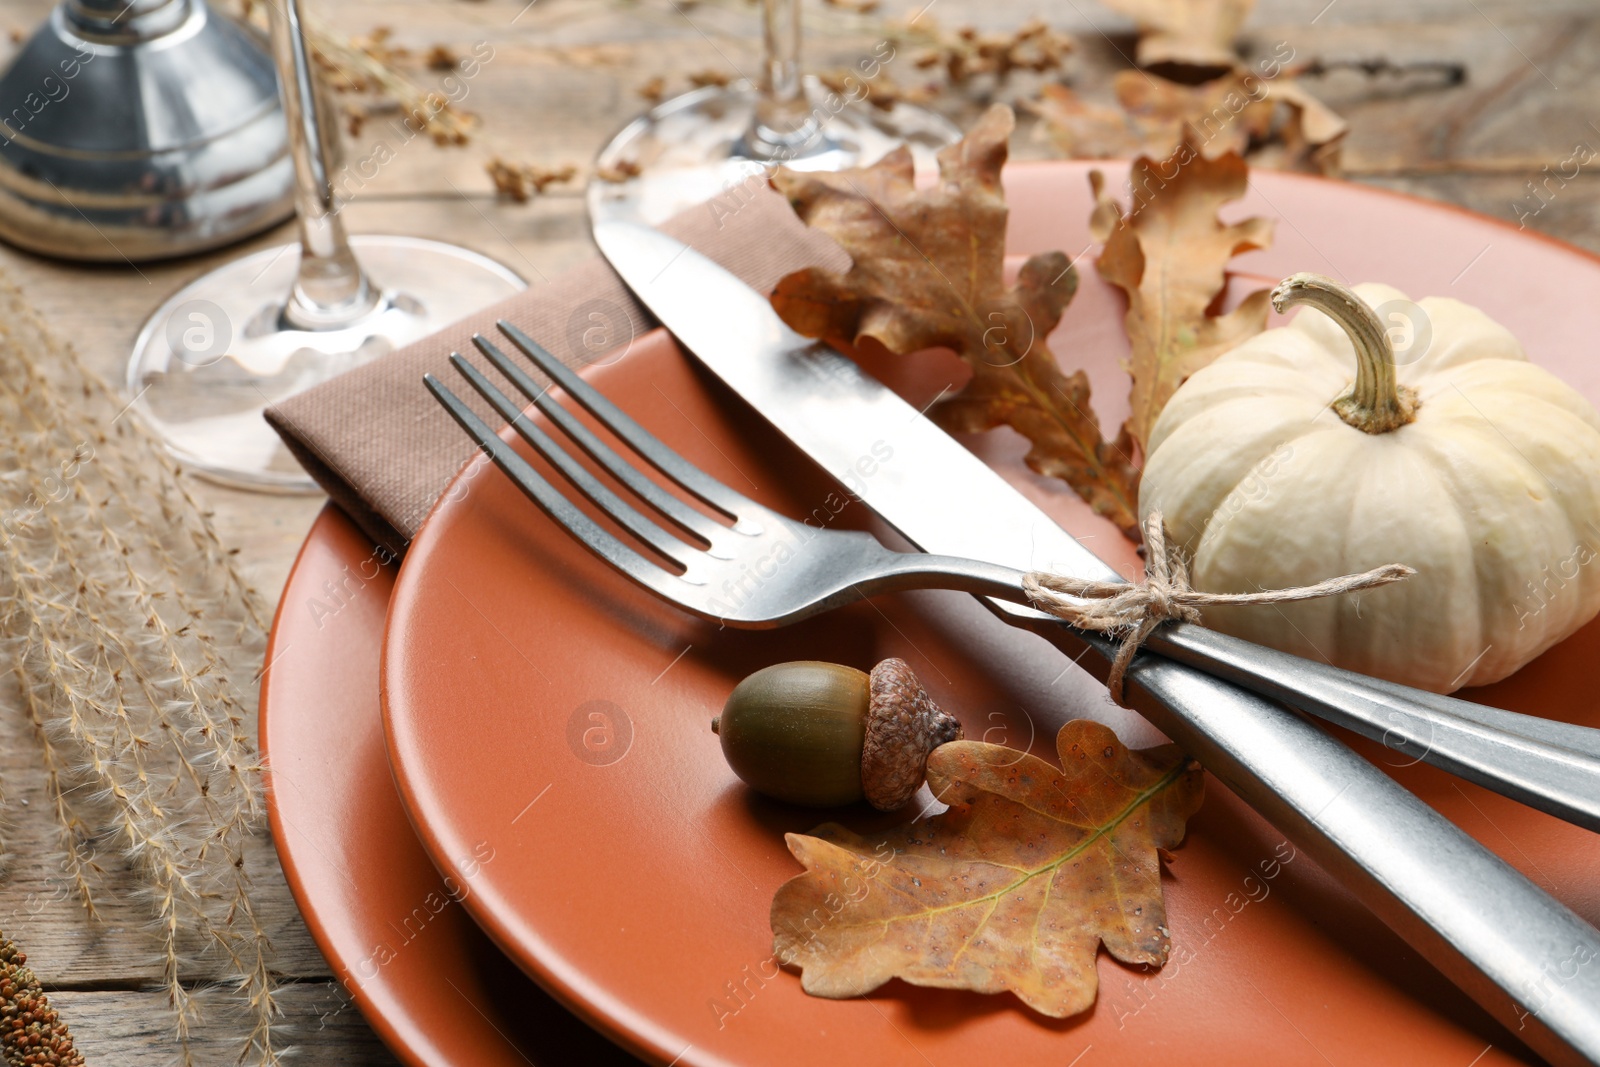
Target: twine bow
1133,611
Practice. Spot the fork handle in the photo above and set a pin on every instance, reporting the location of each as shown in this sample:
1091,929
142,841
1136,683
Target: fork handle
1552,766
1525,957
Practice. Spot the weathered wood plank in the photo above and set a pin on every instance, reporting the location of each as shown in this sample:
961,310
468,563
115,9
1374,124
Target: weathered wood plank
1572,213
124,1029
1521,100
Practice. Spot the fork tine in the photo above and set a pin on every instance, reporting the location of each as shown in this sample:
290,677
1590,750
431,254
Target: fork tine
533,485
587,484
638,438
674,509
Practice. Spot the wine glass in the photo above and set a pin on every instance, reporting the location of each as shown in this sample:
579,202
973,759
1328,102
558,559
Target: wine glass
708,142
278,321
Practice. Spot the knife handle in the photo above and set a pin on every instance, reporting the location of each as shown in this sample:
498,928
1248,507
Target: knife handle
1526,958
1552,766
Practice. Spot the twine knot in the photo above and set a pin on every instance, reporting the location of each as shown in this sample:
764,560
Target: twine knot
1132,611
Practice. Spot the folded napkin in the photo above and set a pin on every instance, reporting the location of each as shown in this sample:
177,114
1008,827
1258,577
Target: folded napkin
384,449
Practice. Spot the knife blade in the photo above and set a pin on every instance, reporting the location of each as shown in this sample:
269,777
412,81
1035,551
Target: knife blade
854,427
1524,956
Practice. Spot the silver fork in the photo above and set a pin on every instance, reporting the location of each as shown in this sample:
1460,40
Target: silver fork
758,569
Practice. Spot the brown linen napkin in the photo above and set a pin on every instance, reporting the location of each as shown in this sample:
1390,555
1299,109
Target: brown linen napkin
384,449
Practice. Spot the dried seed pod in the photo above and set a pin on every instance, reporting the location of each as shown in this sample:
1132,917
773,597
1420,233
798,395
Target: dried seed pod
824,735
30,1030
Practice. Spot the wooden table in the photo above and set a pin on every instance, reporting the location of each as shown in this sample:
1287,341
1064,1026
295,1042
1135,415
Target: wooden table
1467,101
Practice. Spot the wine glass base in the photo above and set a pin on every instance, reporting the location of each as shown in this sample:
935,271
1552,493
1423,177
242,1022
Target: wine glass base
695,149
216,354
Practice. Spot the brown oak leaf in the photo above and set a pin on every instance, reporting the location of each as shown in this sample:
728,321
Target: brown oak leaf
1275,121
1186,33
1150,115
928,271
1169,255
1311,137
1193,75
1014,888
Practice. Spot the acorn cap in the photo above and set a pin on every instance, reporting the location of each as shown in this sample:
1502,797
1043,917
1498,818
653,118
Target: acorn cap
904,725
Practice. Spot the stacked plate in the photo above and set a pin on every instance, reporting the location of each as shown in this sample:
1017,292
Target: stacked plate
511,830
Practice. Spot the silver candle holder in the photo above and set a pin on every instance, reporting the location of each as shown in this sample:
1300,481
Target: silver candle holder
133,130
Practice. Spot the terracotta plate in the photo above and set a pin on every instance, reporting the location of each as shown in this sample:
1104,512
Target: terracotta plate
547,722
541,708
432,985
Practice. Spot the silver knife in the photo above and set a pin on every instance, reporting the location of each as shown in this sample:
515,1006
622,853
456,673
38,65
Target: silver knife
1528,959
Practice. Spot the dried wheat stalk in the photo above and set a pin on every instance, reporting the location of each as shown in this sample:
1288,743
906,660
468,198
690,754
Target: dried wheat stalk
135,643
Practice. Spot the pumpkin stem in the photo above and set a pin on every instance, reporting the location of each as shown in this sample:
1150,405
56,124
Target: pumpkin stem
1377,403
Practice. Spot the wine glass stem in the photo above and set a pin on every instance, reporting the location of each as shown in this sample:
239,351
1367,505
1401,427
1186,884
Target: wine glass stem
782,114
780,32
330,290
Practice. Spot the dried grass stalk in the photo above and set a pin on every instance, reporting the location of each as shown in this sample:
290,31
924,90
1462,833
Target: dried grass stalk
135,644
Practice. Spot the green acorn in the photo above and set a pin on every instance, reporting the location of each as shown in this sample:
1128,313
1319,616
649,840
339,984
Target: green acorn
825,735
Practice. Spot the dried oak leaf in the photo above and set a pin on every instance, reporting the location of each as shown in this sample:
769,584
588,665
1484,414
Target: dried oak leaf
1034,46
653,91
1015,887
1169,255
1311,135
882,92
620,171
1082,128
523,181
928,272
1150,115
441,57
1276,121
1185,33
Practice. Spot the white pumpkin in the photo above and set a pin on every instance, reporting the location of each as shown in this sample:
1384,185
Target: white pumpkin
1307,453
